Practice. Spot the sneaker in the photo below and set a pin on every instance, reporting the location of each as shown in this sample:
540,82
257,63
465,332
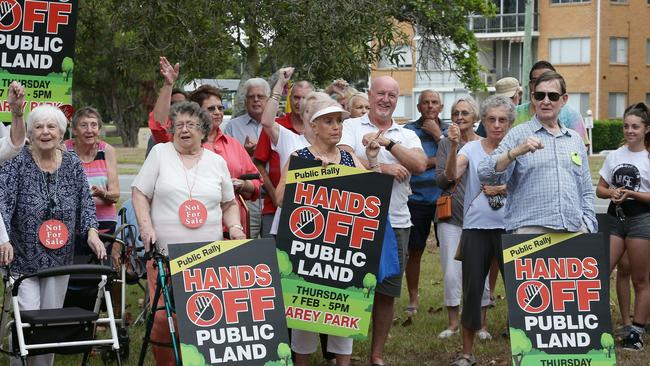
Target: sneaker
447,333
632,342
623,331
484,335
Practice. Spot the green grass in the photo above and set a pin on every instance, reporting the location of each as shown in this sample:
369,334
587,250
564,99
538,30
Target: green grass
130,155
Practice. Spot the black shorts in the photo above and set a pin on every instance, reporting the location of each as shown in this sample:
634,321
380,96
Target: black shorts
422,216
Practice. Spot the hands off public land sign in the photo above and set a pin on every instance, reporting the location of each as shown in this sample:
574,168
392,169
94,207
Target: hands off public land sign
37,49
558,300
329,244
228,304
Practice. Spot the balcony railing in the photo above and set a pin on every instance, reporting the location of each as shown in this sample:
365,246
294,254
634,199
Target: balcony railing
503,23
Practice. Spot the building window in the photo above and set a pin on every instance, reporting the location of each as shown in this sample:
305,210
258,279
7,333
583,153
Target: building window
647,96
619,1
647,47
616,105
618,50
579,102
570,51
402,58
570,1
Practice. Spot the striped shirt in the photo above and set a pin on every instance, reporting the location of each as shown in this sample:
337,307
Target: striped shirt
550,187
424,187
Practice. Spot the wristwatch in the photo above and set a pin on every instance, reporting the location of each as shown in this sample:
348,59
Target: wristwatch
390,144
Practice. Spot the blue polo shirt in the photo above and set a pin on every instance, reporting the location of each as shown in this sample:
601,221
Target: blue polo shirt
423,186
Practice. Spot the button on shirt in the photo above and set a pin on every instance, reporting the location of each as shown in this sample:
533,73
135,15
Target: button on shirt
550,187
353,131
243,126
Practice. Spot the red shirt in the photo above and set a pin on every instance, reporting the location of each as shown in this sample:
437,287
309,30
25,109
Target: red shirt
264,154
235,155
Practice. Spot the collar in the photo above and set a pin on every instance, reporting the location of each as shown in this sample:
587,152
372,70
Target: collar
537,126
366,121
251,120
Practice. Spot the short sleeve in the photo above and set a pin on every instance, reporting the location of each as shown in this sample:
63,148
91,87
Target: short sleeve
146,179
411,139
348,136
606,170
227,190
263,149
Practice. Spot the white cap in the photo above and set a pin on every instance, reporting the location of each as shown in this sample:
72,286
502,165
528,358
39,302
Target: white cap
328,110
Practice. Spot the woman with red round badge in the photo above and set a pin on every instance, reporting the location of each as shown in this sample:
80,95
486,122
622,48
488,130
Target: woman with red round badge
182,194
46,202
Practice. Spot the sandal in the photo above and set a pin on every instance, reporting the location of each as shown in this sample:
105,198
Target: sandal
411,311
464,360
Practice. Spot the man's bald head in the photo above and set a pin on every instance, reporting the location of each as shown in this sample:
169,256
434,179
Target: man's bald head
383,95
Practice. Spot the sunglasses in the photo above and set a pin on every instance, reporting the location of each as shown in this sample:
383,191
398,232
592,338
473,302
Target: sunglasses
552,96
212,109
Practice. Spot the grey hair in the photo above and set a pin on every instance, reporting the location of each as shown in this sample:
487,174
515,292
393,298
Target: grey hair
303,84
86,112
194,110
355,95
429,91
498,102
473,106
46,113
252,82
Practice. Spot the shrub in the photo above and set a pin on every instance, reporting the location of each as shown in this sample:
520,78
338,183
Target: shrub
607,134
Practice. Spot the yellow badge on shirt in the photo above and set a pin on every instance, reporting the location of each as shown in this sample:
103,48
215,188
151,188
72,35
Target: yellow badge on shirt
575,158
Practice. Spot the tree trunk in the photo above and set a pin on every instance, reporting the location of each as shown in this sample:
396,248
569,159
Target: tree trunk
250,69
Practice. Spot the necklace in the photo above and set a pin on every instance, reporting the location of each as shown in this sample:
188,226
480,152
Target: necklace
86,158
49,196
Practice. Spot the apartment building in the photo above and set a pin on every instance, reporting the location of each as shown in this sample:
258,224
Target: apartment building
601,47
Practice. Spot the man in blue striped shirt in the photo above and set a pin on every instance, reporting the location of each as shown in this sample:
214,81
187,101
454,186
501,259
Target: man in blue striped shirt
425,192
545,167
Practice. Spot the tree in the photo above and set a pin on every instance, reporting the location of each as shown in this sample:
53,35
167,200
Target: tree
67,65
119,42
607,341
369,283
520,344
284,263
191,355
117,48
284,352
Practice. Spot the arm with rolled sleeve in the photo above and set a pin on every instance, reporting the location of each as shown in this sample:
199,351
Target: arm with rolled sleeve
487,168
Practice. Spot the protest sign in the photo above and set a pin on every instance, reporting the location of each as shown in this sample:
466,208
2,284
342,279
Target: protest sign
329,244
37,49
227,302
557,287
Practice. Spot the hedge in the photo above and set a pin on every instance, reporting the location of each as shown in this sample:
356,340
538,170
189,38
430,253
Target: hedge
607,134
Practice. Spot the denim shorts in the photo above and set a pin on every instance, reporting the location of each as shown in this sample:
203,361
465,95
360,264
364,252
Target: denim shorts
637,226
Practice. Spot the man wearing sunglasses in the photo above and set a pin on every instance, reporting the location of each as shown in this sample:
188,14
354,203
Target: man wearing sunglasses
544,162
568,116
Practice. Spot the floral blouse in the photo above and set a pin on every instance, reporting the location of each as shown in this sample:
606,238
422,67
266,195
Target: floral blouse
24,206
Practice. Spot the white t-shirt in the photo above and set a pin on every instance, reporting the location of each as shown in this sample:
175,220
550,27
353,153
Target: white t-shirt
164,180
477,213
353,131
626,169
288,142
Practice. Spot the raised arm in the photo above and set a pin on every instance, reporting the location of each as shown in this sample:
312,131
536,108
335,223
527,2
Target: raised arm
16,100
270,111
170,75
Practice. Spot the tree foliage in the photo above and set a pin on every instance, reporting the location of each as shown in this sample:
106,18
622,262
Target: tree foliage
191,355
369,283
119,42
284,263
520,344
284,352
607,341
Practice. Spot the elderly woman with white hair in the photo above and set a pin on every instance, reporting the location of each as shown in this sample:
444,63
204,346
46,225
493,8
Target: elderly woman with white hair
46,202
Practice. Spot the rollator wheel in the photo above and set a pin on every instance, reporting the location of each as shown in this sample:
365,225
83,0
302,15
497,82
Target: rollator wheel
123,339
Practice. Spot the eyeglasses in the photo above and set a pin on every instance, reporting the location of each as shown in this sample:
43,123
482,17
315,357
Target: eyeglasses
189,125
213,108
86,126
552,96
461,113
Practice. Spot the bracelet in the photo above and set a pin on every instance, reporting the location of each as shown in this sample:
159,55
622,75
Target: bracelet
390,145
276,96
375,166
17,114
237,226
94,229
510,158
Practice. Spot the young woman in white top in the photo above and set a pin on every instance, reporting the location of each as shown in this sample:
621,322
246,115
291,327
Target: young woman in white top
625,180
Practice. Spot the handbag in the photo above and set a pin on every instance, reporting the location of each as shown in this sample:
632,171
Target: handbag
443,204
